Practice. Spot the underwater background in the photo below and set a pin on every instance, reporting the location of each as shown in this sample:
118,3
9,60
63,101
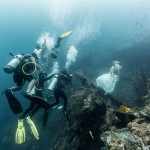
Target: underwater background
103,31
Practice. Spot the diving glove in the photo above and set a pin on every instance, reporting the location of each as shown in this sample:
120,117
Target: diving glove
33,128
20,133
64,35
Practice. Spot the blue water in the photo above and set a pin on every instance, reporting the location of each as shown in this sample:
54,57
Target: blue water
103,30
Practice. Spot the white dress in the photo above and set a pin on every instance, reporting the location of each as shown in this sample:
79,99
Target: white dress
107,81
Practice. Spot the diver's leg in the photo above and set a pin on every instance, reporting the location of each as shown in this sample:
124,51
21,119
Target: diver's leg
18,79
13,102
61,37
56,94
16,88
45,119
63,95
32,104
35,110
57,43
54,52
30,86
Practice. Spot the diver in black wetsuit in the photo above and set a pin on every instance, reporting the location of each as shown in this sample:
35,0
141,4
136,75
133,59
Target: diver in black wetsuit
63,79
37,101
22,66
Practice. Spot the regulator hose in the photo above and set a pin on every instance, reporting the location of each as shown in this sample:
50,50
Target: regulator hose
29,63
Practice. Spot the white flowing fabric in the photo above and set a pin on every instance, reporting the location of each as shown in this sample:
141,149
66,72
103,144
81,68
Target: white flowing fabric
107,82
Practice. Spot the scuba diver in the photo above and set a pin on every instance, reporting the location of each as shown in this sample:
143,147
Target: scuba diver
35,87
58,85
43,51
34,94
63,78
23,66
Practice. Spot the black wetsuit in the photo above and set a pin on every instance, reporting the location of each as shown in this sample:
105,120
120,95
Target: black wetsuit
19,78
59,90
34,107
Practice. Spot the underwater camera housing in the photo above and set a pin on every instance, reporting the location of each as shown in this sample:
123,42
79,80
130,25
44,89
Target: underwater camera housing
13,64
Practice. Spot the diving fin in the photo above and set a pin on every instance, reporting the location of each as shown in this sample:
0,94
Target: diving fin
20,133
13,102
33,128
64,35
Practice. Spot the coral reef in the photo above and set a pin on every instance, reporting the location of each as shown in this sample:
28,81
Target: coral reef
141,86
91,113
97,123
147,95
135,134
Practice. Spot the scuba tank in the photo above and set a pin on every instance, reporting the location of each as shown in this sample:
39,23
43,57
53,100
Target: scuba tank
13,64
53,82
